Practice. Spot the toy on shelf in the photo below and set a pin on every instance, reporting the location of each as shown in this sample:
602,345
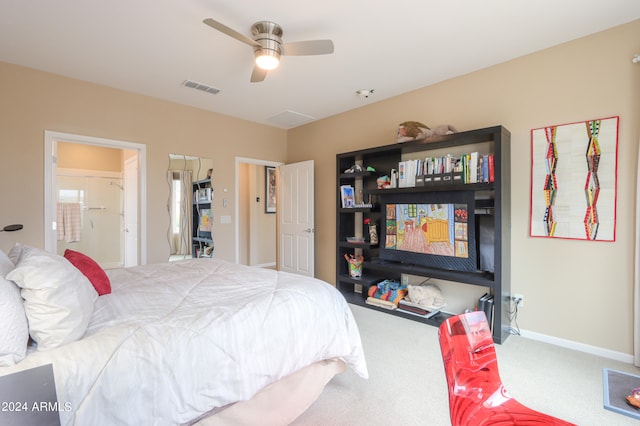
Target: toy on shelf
355,265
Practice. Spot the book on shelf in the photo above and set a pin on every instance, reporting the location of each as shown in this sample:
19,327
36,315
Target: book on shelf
473,167
425,316
402,175
407,171
486,304
380,303
483,168
490,310
491,172
419,310
482,301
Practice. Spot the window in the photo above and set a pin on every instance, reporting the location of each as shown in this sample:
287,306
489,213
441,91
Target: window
175,205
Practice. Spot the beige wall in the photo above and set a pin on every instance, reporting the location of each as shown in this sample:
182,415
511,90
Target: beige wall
34,101
89,157
575,290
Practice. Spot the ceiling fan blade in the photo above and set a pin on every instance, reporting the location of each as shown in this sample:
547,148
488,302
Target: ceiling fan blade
309,47
258,74
230,32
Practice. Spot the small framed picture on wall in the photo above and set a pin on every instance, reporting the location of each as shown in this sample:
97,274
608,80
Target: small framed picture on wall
270,189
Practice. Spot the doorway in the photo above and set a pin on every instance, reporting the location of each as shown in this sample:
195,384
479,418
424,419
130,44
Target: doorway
128,210
255,228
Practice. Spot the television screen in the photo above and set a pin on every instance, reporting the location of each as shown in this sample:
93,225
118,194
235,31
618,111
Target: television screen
430,229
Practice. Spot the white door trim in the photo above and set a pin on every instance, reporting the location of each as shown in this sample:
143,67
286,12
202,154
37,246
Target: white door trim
131,204
50,156
244,160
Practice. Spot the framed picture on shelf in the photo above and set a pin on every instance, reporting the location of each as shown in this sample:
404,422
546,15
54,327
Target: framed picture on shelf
270,190
347,195
205,195
206,220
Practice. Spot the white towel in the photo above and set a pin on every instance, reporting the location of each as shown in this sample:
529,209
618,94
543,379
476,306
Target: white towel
72,222
68,222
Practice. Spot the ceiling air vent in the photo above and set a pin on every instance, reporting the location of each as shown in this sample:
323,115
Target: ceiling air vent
199,86
289,119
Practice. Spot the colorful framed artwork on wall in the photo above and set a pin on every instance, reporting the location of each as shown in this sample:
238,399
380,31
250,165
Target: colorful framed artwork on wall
574,171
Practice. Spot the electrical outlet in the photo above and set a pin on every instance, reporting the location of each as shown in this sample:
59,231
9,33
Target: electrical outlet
405,280
519,299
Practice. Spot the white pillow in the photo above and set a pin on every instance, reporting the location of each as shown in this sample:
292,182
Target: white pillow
58,298
14,331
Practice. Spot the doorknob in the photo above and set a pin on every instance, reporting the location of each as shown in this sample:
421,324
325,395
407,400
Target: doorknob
309,231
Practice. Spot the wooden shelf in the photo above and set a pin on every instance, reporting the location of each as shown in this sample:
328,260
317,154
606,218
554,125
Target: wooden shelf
202,240
437,187
359,300
365,245
357,209
484,279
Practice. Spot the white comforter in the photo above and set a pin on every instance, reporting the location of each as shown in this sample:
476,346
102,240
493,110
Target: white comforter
175,340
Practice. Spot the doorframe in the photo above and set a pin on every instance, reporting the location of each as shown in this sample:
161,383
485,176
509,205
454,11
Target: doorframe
51,139
130,202
257,162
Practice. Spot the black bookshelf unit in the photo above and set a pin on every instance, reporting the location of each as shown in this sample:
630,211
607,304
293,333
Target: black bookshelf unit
491,203
202,219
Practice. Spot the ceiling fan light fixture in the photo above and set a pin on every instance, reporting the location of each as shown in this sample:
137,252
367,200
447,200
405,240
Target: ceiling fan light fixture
267,59
267,45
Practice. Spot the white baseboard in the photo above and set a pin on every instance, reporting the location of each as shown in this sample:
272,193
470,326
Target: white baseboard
266,265
577,346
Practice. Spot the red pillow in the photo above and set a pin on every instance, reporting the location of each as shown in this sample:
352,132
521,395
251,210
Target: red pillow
91,270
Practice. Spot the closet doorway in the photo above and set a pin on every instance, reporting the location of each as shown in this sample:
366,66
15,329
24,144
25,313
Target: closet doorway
256,229
94,198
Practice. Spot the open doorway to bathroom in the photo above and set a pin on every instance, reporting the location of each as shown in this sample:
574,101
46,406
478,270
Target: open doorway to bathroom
94,192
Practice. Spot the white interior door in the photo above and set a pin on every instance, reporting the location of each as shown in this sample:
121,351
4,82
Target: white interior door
296,218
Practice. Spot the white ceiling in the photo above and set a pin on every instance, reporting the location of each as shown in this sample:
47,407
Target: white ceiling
151,46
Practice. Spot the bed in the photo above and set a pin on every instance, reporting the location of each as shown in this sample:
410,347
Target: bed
199,341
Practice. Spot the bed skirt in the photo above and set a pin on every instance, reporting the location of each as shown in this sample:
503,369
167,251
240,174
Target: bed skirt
281,402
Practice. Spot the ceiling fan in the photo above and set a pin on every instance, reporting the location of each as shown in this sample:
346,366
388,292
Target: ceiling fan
268,46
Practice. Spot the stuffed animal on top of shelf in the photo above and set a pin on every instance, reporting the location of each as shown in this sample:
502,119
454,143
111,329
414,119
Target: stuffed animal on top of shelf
415,130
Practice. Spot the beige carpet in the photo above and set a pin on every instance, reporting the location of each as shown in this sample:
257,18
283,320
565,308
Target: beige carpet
407,384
